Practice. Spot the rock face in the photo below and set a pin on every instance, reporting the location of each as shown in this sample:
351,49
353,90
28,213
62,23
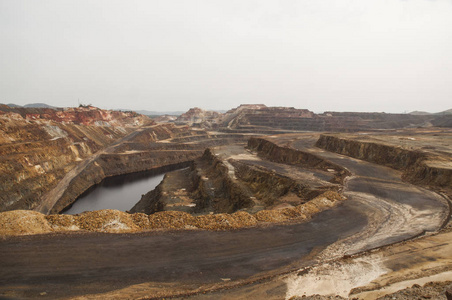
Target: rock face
419,166
39,146
291,156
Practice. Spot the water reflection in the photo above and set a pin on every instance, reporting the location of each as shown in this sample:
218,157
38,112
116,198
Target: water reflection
119,192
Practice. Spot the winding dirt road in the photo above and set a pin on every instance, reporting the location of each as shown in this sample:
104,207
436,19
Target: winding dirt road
381,209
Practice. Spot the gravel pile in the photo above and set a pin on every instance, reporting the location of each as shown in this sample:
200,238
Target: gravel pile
141,220
431,290
107,220
20,222
114,221
63,222
171,220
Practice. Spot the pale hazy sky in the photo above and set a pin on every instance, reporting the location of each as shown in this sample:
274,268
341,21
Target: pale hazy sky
342,55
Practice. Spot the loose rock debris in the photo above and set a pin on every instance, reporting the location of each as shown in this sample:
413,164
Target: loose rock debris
25,222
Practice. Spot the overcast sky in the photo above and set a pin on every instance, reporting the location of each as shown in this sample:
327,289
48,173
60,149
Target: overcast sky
341,55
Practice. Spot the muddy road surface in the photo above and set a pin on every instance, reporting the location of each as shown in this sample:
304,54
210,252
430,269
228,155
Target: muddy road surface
75,264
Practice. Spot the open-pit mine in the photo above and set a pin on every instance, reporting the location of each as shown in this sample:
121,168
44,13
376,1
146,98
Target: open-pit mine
255,203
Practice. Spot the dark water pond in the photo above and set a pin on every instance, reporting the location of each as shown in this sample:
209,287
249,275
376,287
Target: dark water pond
119,192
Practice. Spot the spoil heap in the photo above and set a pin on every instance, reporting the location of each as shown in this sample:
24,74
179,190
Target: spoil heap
24,222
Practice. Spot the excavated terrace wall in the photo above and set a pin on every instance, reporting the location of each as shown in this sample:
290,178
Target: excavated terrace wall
419,167
290,156
39,155
269,186
232,193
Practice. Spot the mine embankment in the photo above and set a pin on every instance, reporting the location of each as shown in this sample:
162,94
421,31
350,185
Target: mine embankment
291,156
419,166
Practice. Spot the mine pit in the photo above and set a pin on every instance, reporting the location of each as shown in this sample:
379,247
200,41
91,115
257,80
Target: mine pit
269,210
119,192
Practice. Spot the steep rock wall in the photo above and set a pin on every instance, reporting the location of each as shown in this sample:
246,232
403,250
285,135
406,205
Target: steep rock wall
391,156
269,186
215,188
275,153
418,166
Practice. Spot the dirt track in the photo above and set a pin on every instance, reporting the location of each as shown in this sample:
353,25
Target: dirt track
94,263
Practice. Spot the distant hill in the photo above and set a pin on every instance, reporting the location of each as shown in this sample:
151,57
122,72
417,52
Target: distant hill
13,105
446,112
424,113
39,105
32,105
419,113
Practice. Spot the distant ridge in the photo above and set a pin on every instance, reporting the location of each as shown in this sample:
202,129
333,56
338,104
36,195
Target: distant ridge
420,113
13,105
446,112
32,105
424,113
39,105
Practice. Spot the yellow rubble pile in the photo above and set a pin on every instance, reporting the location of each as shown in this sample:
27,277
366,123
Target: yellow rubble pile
107,220
22,222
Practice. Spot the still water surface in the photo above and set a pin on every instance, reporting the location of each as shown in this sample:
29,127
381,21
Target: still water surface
119,192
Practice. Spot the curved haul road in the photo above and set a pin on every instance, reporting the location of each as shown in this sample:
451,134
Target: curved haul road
381,209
